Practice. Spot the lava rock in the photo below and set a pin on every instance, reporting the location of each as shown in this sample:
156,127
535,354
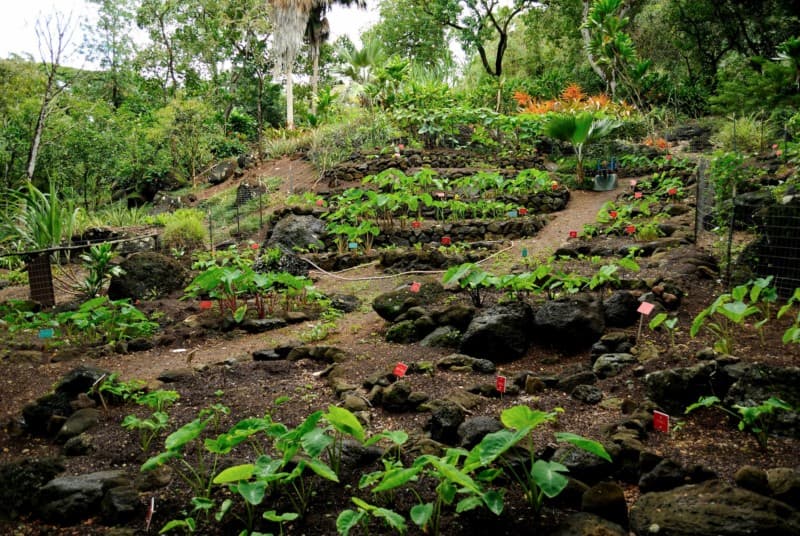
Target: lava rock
147,275
471,431
607,500
609,365
619,309
499,333
712,508
300,232
588,394
445,419
569,324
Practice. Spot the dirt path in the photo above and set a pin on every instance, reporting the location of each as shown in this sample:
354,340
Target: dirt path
356,332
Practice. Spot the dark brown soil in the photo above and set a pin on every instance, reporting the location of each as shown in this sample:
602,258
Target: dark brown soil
226,373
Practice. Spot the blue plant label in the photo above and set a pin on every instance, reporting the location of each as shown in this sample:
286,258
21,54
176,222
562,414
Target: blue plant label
353,245
512,213
46,333
524,252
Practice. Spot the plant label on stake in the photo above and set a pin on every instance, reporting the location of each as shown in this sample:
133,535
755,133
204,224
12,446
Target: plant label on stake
353,245
512,213
630,229
46,333
637,195
206,305
524,252
522,211
660,422
440,195
573,234
416,224
644,310
320,202
446,241
613,214
500,384
400,369
414,287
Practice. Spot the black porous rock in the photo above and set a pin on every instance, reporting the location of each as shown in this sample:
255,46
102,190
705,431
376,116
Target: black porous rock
19,478
391,305
147,275
297,231
471,431
713,508
620,309
569,324
499,333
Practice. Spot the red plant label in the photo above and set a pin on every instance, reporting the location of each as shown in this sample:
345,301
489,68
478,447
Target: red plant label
613,214
400,369
672,191
414,287
206,304
630,229
573,234
445,240
554,185
637,195
320,202
439,194
416,224
660,422
500,384
522,211
253,246
645,308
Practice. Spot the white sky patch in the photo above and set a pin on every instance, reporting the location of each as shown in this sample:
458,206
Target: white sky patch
18,24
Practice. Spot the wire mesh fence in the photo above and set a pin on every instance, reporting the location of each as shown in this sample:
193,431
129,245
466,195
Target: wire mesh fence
753,234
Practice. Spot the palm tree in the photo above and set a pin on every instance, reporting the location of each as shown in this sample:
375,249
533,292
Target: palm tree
580,130
290,18
317,32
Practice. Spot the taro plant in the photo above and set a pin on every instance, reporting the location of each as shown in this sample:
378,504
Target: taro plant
670,324
792,333
150,427
755,420
345,424
198,472
472,278
349,519
104,320
728,313
538,478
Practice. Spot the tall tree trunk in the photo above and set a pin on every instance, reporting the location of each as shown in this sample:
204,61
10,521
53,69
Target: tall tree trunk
314,76
37,137
586,41
289,100
52,43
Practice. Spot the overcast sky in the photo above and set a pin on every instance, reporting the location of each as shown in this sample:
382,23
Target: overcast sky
18,21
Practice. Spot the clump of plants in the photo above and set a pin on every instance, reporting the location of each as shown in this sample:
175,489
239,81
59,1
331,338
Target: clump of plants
756,420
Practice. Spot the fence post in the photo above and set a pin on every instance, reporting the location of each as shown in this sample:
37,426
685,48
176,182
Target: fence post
210,231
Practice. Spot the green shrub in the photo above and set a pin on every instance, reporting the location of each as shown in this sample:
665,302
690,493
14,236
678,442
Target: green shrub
333,143
747,134
184,229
